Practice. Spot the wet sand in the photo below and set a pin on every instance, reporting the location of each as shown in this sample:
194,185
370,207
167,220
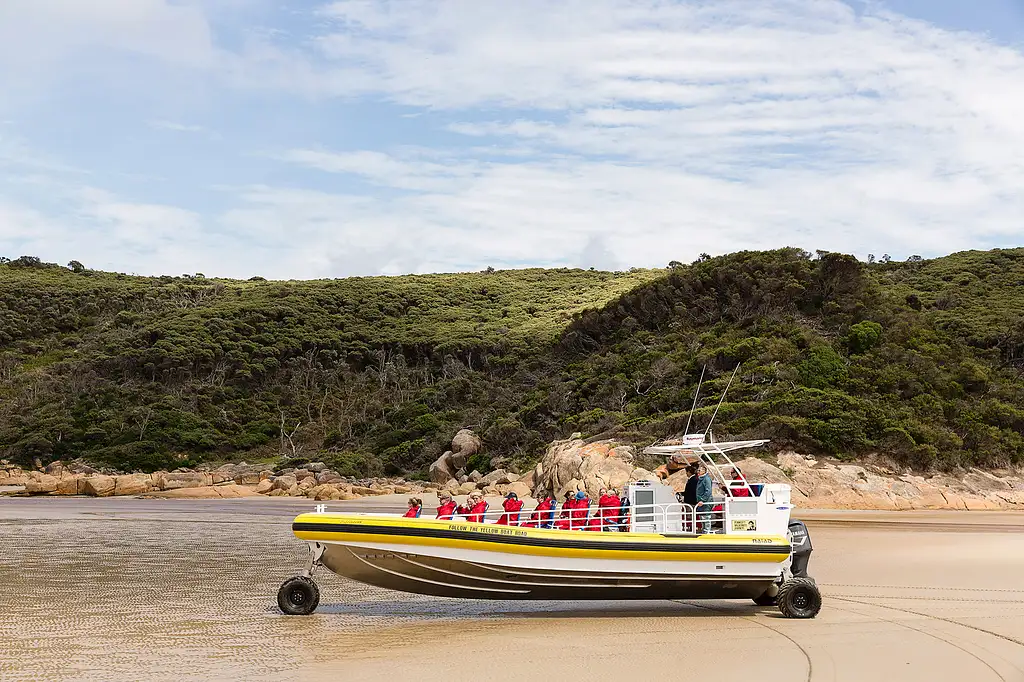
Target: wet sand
128,589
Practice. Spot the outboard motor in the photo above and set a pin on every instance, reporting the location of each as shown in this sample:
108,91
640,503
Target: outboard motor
801,541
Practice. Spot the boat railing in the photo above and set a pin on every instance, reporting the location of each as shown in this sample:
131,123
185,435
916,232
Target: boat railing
655,518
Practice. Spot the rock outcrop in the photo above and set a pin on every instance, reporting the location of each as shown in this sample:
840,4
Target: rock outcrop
568,465
576,465
98,486
133,484
442,469
40,483
465,444
207,492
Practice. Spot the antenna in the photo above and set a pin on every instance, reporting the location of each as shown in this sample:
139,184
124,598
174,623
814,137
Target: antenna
695,396
722,399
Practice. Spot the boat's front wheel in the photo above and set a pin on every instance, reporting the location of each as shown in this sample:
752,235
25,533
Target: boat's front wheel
298,596
799,598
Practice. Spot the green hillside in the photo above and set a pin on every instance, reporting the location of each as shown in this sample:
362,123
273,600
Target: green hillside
918,360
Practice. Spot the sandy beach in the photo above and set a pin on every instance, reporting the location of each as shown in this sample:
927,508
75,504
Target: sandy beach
130,589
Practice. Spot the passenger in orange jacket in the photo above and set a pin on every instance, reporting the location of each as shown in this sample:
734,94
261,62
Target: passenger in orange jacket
415,507
580,512
607,514
445,506
512,506
567,507
474,508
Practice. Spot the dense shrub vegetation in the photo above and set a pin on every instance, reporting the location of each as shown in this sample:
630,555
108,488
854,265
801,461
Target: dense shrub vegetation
919,360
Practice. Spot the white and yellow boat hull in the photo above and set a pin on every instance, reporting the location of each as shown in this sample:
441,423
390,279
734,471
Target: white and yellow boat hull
490,561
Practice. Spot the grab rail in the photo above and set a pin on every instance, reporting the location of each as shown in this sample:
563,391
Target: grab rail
660,518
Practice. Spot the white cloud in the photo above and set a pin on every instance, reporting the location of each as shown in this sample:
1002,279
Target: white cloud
664,129
596,254
33,31
177,127
569,132
104,231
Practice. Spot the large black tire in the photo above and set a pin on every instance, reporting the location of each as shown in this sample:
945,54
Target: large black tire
298,596
799,598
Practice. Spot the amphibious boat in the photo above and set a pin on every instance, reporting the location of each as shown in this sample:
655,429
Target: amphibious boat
739,547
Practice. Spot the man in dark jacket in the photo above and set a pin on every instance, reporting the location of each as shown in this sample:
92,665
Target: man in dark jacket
690,491
690,497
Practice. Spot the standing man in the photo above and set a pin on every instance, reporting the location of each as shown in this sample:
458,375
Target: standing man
704,499
690,496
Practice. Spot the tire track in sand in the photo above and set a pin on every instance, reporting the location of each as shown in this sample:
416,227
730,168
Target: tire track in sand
940,618
753,619
934,636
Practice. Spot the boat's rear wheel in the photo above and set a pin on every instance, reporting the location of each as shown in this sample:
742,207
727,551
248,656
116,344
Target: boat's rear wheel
799,598
298,596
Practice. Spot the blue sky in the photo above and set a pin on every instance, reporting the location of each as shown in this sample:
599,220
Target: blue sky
325,139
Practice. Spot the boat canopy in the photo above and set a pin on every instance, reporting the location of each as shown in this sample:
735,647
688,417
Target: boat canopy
695,449
699,449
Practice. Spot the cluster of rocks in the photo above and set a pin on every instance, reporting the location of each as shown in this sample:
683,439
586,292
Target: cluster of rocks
318,482
449,471
76,478
452,464
499,482
821,484
575,464
568,465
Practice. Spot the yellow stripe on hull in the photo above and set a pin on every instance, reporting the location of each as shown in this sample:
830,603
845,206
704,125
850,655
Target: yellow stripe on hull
538,541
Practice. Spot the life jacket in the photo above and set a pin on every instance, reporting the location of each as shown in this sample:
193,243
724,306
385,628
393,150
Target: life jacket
447,510
578,516
549,505
413,513
563,519
475,514
510,519
741,489
541,516
607,513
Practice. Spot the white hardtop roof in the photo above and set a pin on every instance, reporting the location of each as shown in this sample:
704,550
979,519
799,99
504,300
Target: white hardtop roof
703,448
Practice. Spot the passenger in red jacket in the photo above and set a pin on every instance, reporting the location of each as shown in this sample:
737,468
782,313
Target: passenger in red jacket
445,506
580,512
607,514
738,485
415,507
512,506
474,509
567,507
548,507
543,514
